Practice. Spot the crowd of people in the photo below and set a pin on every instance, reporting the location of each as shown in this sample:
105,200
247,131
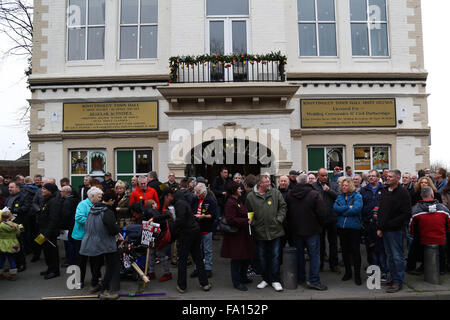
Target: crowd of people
318,213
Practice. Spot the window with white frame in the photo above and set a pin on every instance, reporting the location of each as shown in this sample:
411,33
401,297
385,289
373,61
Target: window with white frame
317,27
133,162
227,32
86,162
369,28
327,157
371,158
85,30
138,29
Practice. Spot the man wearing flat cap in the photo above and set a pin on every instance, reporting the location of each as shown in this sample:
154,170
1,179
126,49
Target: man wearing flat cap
49,218
108,183
292,178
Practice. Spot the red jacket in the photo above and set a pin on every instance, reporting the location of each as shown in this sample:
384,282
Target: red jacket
137,195
430,220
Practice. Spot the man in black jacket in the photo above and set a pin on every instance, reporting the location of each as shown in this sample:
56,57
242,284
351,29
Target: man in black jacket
329,192
306,217
219,188
49,220
36,206
68,209
108,183
393,214
187,232
171,182
84,188
19,204
154,183
28,190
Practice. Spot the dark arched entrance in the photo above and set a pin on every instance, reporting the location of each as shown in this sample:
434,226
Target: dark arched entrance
243,156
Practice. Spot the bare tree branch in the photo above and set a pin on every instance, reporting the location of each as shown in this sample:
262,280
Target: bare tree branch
16,21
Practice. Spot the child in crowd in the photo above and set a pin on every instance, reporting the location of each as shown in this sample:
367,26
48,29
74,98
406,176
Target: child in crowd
374,241
9,244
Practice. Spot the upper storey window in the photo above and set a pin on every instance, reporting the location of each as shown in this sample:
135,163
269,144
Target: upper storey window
317,27
369,28
227,33
86,30
226,8
138,29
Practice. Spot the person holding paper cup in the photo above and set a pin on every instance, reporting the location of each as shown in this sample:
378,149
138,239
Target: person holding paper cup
238,246
49,219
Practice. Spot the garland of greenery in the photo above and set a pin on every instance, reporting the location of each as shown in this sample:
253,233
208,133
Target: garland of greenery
225,60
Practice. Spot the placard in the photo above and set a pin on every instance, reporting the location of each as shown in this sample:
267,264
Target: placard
338,113
111,116
148,229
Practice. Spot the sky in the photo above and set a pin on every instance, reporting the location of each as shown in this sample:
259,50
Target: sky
13,89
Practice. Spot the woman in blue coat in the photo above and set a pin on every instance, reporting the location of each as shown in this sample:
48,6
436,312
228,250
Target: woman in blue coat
348,207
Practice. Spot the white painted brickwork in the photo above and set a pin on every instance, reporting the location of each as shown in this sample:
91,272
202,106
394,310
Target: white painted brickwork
272,26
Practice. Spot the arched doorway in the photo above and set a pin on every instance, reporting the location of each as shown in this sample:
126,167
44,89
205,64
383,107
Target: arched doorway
243,156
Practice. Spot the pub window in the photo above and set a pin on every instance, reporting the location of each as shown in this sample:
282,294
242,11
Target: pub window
317,28
138,29
133,162
86,162
369,22
327,157
86,30
371,158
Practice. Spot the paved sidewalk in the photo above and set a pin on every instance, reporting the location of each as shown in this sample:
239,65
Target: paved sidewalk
30,285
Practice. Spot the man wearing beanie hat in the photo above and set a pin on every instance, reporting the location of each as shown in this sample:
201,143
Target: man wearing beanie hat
49,218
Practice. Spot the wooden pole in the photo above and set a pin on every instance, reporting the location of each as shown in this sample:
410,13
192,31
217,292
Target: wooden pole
139,271
70,297
146,261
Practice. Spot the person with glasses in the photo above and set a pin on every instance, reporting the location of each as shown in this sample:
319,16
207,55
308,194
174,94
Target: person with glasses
171,183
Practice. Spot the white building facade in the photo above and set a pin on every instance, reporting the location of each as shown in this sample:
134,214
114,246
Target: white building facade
348,87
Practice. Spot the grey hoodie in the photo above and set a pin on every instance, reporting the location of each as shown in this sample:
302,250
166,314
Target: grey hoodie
101,230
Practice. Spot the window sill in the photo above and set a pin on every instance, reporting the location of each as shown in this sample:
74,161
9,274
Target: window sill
371,59
319,59
85,63
138,61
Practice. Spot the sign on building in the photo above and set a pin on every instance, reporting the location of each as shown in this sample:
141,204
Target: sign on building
110,116
340,113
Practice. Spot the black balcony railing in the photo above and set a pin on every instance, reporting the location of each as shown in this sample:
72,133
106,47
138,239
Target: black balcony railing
230,68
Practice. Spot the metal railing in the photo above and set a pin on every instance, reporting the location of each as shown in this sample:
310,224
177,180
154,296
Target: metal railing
236,71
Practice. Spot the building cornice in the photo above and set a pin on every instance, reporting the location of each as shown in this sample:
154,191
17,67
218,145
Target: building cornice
104,80
358,76
229,89
298,133
226,112
160,135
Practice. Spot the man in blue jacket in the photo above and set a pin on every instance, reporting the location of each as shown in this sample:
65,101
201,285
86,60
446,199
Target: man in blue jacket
371,195
204,208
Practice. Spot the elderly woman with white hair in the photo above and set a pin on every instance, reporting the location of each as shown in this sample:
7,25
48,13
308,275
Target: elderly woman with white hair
94,195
